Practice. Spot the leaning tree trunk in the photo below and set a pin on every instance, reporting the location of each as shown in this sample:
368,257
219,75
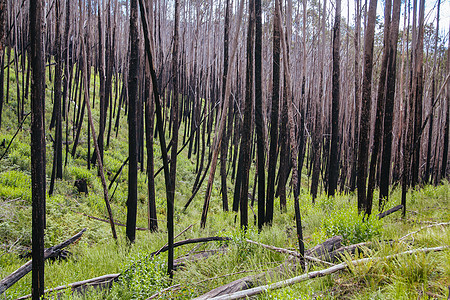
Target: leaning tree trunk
37,146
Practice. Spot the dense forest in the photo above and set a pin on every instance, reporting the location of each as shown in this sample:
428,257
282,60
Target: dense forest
285,140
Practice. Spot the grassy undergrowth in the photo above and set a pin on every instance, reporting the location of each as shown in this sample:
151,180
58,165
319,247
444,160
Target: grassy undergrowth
424,276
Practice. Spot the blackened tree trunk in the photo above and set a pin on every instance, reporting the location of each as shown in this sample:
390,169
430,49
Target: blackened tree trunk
357,97
37,146
56,116
365,108
149,127
415,167
247,125
293,141
259,118
443,171
173,156
224,145
389,104
273,150
334,151
380,109
133,76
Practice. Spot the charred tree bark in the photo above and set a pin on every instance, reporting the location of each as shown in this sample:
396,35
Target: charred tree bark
380,110
37,146
389,105
247,125
334,151
259,118
273,150
133,77
225,138
365,109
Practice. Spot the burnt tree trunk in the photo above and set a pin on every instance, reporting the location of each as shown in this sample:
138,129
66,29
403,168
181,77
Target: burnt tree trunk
365,109
334,151
133,77
37,146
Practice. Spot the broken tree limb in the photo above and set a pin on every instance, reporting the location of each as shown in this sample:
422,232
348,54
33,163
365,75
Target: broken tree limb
253,280
425,227
107,221
311,275
81,285
192,241
11,279
389,211
290,252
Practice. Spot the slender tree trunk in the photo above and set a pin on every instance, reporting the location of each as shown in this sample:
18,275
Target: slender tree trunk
259,118
37,146
248,110
334,151
173,156
133,78
389,105
357,96
365,109
377,139
273,150
149,127
224,146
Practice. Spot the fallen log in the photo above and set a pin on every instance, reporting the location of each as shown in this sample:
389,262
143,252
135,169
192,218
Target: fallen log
389,211
97,282
253,280
11,279
311,275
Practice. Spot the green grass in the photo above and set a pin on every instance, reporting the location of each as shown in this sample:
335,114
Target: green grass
423,276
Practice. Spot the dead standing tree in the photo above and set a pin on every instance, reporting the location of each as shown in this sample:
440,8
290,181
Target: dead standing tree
37,146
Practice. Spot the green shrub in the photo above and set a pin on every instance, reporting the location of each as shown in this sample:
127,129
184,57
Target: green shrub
351,226
144,277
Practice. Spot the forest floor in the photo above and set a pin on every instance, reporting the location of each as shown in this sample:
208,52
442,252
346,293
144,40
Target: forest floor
410,276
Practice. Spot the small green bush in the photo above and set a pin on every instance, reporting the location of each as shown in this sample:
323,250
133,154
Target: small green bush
351,226
145,276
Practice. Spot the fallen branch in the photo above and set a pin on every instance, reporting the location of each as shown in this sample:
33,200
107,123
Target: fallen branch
9,280
244,283
290,252
312,275
107,221
389,211
425,227
94,282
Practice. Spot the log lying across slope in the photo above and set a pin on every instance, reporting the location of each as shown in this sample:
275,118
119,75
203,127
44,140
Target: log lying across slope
9,280
220,293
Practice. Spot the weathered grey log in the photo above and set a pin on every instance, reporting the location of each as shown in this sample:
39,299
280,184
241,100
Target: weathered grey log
389,211
322,250
277,285
9,280
247,282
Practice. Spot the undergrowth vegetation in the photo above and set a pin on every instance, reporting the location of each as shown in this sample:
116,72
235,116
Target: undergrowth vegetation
424,276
